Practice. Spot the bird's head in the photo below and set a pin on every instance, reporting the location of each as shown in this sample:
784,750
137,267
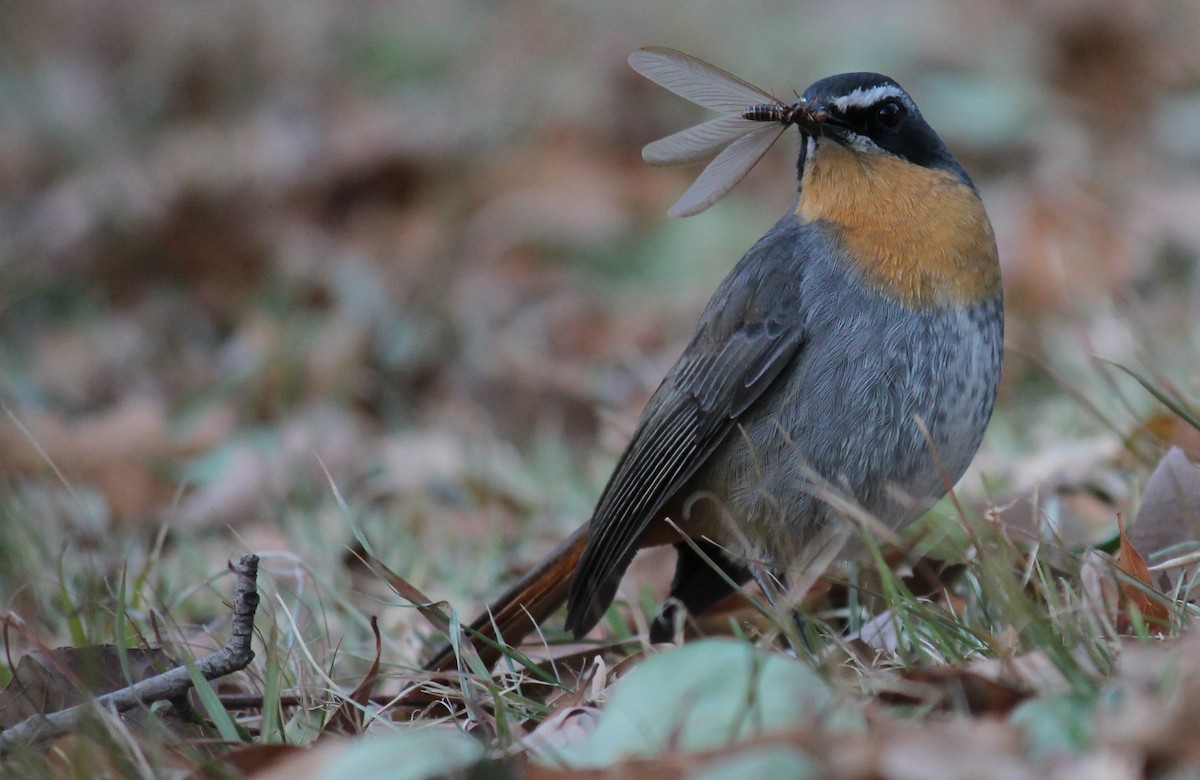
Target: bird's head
874,171
871,114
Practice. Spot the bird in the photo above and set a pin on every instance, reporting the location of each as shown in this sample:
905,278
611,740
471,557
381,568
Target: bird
846,367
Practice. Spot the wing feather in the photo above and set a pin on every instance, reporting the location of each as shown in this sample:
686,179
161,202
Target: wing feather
750,331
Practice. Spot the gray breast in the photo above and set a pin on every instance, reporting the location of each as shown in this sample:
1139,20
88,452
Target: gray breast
885,407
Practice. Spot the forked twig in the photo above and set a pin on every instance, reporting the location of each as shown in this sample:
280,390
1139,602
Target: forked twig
168,686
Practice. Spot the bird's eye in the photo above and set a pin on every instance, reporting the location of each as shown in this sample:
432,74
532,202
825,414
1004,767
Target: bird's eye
890,113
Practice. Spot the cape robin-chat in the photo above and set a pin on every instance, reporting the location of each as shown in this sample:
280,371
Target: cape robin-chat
848,363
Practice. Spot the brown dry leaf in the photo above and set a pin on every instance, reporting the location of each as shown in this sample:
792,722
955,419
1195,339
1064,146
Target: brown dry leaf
949,687
564,727
1169,429
250,760
415,461
782,754
119,450
301,763
74,756
1033,673
48,682
1169,516
1068,491
1101,764
1154,708
314,443
570,721
1130,561
977,748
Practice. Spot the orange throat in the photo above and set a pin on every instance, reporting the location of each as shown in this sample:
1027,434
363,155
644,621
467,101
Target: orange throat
919,235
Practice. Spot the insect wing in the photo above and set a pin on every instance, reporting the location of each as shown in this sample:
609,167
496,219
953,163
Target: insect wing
698,143
726,170
696,80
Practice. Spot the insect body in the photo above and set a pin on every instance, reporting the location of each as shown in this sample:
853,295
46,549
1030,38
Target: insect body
773,112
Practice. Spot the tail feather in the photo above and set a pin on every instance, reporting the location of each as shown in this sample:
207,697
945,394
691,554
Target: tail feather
529,601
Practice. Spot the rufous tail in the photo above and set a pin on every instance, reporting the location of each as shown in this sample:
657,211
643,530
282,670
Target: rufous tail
529,601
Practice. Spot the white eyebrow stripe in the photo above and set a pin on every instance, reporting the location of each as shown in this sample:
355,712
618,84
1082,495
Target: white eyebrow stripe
861,98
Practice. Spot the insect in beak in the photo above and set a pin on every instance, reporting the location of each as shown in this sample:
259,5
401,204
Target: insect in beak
753,120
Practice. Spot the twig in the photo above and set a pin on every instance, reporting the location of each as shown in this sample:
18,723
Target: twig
174,684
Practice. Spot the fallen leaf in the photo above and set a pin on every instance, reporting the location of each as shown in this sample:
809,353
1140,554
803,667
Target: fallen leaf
308,761
1168,521
976,747
1130,561
260,758
1165,428
48,682
1032,671
1151,707
78,755
703,695
1057,726
118,450
955,688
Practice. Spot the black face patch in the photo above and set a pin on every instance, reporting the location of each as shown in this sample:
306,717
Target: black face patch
873,106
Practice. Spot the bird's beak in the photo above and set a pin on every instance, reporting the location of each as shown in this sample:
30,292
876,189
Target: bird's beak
817,120
809,117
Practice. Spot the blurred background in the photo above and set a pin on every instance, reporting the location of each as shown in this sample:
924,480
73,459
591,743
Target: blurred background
277,273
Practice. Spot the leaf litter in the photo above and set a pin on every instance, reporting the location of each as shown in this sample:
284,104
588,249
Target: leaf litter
448,295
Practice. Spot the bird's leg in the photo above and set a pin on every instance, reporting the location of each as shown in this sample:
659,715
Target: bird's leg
704,576
774,585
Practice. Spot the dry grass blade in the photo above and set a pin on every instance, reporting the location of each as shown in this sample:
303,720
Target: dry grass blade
348,718
429,609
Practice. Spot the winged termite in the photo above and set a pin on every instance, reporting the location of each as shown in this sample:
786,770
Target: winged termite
755,120
770,112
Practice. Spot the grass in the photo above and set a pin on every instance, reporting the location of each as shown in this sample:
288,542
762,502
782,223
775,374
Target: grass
1009,601
1019,628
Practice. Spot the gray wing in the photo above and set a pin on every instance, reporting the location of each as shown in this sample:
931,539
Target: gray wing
749,332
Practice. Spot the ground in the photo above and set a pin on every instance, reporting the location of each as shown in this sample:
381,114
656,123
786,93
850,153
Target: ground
328,281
